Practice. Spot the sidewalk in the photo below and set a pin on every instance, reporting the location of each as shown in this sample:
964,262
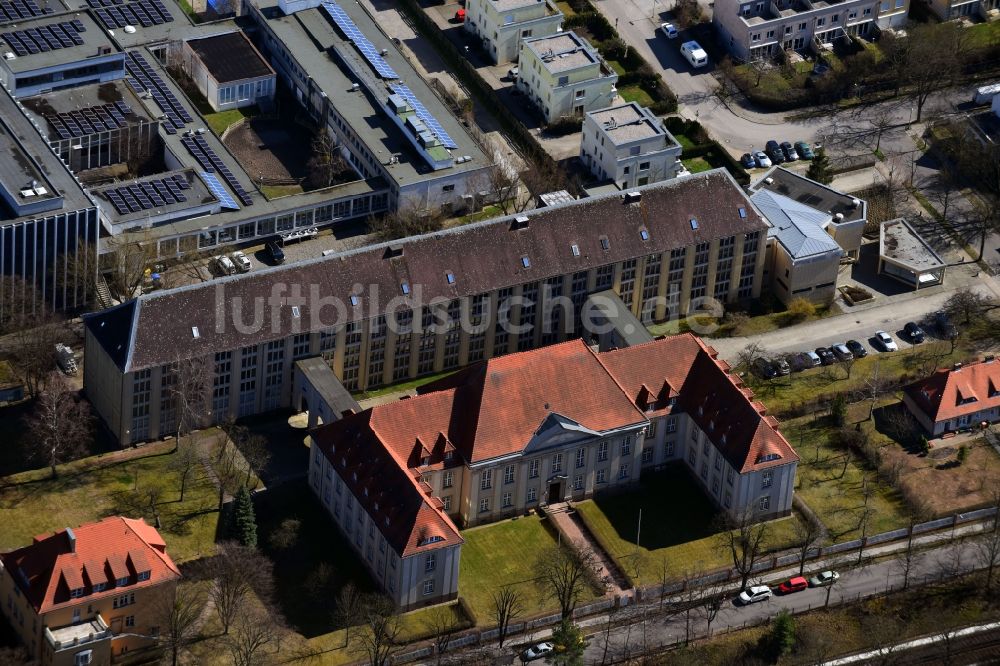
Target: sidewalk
562,517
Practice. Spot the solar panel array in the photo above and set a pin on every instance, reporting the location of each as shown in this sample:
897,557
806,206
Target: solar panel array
148,195
209,160
81,122
418,107
216,188
353,33
51,37
142,77
119,13
17,10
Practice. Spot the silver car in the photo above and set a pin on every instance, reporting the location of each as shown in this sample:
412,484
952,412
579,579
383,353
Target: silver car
824,578
755,593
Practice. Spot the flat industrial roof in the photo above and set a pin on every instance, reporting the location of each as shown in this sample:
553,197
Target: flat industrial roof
901,243
94,38
230,57
629,122
40,107
179,29
309,36
197,195
27,157
562,52
812,194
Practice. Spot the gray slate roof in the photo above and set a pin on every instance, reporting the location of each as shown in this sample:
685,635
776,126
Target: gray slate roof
799,228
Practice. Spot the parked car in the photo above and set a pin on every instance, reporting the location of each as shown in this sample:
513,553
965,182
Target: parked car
841,351
538,651
773,151
764,368
796,584
762,159
789,151
798,362
224,265
275,252
813,358
782,367
755,593
241,261
885,341
513,72
669,30
694,54
826,356
748,161
944,325
857,349
913,332
824,578
805,152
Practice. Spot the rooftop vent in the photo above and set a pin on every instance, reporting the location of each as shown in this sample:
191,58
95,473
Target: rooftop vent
355,86
195,333
450,277
8,55
633,197
576,249
520,222
957,366
855,202
989,358
694,223
769,180
839,217
393,251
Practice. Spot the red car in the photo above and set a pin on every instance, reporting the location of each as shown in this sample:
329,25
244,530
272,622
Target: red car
796,584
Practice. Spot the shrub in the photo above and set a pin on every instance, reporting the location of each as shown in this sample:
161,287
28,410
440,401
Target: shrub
963,454
800,309
564,125
925,446
838,410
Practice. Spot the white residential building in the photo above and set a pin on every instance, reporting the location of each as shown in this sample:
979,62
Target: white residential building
629,145
565,76
502,24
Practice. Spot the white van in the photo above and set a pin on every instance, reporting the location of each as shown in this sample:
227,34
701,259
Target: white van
694,54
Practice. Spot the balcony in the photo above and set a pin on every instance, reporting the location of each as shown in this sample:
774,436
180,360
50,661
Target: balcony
76,635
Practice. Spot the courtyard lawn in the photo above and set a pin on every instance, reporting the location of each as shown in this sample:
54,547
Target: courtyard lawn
835,494
696,164
504,554
220,121
677,528
635,93
122,482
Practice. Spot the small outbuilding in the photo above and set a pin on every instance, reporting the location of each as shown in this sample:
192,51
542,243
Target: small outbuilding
229,71
905,256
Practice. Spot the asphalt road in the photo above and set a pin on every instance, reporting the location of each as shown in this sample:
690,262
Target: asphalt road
931,564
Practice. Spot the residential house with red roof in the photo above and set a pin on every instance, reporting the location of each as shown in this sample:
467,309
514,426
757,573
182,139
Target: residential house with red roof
90,594
507,435
956,397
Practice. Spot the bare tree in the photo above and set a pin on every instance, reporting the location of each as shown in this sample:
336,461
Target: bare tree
875,386
441,624
327,165
710,603
507,607
178,612
238,573
187,383
749,354
933,59
254,450
124,264
378,635
405,221
565,571
664,578
909,557
504,183
743,537
32,339
226,468
808,534
186,462
347,609
966,305
61,425
254,631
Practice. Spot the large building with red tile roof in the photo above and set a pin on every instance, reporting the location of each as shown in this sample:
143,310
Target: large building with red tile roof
515,432
956,397
85,595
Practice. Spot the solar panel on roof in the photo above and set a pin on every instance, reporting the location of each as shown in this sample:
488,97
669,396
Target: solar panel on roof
362,43
216,188
428,119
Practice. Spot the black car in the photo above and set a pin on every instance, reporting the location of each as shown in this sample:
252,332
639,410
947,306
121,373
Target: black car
748,161
764,369
774,151
826,356
913,332
789,151
857,348
275,252
944,325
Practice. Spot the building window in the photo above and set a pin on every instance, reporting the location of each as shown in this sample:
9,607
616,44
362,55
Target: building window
730,475
766,479
430,563
556,463
692,456
581,458
671,424
729,499
647,455
627,446
602,476
622,472
578,482
668,449
447,479
84,658
533,469
484,505
428,587
507,500
532,494
446,503
602,452
486,479
508,474
765,503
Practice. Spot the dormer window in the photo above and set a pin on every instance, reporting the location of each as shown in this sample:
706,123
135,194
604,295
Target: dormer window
100,587
694,224
425,461
354,476
743,212
387,521
450,277
768,457
365,491
447,455
121,582
142,575
76,593
405,287
376,506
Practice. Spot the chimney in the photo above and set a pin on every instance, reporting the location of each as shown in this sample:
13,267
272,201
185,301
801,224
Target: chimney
72,539
957,366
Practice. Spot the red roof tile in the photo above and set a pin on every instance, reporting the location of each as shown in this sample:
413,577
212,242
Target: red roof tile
49,568
949,393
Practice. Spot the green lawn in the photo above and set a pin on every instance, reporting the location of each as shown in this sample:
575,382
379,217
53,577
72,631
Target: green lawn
685,141
486,213
696,164
401,386
677,527
90,489
782,393
838,501
220,121
565,8
504,554
634,93
617,66
275,191
983,35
